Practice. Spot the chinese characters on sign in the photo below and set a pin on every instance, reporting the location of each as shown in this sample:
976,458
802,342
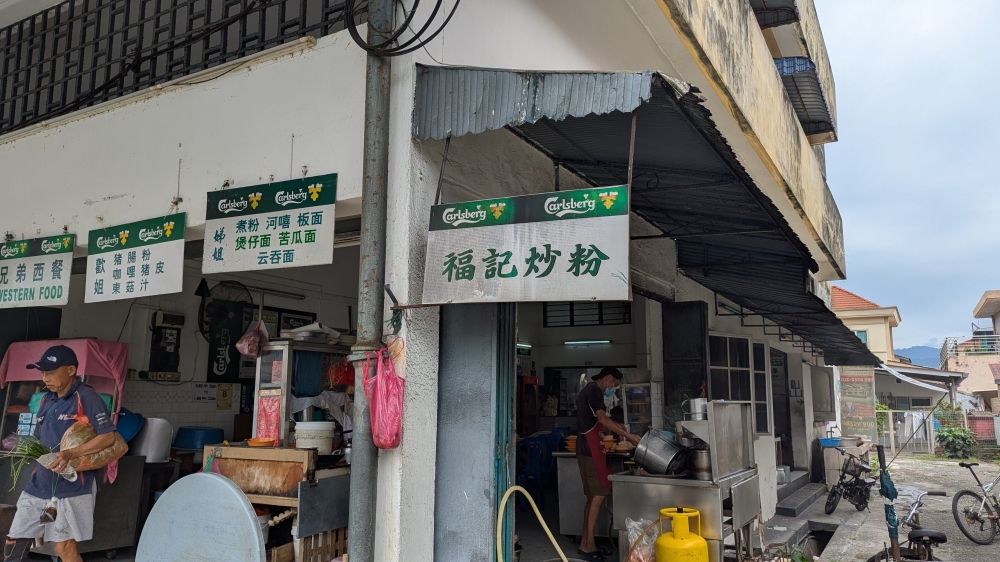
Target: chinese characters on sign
857,402
283,224
566,245
36,272
138,259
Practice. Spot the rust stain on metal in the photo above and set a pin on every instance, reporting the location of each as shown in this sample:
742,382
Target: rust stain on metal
267,478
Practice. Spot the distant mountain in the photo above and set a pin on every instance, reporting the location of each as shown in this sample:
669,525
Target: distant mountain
922,355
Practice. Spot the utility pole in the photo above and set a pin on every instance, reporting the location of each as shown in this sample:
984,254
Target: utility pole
371,280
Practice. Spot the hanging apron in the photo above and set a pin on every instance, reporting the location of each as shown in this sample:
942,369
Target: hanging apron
596,446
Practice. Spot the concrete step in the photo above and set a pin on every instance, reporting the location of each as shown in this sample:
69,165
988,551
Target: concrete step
800,500
797,479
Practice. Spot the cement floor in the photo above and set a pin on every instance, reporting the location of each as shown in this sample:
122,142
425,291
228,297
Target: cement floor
861,539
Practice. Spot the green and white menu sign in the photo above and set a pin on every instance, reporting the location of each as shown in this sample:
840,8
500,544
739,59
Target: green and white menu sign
559,246
36,272
271,226
139,259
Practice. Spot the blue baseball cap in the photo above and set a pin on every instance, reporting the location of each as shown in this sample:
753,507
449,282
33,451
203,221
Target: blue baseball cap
55,357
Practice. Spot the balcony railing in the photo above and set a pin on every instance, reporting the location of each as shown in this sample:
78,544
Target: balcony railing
83,52
969,346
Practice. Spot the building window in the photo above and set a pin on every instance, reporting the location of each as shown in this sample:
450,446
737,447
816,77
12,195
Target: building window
738,373
824,402
920,402
570,314
862,335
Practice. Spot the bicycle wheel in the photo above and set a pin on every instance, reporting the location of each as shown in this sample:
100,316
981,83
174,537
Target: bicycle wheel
904,553
862,503
975,523
832,500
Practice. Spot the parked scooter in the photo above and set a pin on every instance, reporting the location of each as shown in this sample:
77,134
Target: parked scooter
854,485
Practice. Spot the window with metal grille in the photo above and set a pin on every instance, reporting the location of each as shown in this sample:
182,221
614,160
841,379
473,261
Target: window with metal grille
920,402
78,53
569,314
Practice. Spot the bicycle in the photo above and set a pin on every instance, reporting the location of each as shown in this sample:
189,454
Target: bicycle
920,542
976,514
856,489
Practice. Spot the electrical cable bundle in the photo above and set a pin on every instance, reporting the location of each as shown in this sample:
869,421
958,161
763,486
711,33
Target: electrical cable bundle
387,48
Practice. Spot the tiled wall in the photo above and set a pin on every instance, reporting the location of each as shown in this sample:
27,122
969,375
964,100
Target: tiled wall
175,403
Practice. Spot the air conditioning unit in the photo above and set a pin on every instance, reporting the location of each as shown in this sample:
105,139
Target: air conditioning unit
168,320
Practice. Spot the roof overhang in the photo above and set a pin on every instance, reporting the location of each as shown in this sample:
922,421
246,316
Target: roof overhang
890,312
988,305
887,370
806,93
772,13
926,373
687,182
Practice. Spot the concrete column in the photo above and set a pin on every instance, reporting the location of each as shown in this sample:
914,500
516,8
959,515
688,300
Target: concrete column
654,347
404,511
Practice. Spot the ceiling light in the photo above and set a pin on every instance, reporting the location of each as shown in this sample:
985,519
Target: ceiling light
587,342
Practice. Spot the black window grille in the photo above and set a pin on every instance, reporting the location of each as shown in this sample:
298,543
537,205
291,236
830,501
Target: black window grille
63,55
569,314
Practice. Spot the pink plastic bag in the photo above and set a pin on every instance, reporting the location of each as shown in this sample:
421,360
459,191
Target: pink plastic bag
385,401
253,341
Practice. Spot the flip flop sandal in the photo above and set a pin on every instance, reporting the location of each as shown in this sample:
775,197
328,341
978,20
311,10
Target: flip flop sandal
595,556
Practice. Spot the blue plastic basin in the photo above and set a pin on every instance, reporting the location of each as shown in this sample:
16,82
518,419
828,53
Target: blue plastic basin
829,441
189,437
129,424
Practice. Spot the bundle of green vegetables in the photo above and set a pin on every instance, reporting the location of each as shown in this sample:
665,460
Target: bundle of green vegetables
29,448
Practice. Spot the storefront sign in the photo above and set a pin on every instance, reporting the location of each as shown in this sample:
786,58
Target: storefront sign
857,402
36,272
560,246
138,259
283,224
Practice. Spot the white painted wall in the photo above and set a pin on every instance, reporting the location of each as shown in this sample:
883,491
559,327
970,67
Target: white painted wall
329,290
888,384
129,162
764,454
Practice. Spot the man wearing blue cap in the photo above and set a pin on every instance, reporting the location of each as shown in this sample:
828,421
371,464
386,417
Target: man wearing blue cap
74,501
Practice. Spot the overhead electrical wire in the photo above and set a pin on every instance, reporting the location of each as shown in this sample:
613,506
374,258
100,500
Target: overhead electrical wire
388,48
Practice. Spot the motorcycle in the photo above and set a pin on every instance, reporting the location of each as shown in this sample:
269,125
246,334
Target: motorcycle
854,485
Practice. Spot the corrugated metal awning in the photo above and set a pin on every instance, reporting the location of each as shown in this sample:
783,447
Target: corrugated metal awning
925,385
772,13
806,92
687,181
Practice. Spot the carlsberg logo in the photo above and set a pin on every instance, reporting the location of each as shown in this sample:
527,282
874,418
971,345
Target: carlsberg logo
105,242
562,207
229,205
147,234
9,251
464,216
50,246
290,197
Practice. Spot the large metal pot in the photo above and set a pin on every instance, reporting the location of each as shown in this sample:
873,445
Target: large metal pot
658,454
701,464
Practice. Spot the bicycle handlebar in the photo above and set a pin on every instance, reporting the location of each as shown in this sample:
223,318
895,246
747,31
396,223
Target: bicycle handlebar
942,494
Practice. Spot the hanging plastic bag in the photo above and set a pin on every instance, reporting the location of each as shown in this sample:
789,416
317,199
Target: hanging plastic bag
253,341
644,552
385,400
342,373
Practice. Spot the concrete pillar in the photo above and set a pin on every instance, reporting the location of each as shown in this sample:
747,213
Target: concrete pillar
654,347
404,513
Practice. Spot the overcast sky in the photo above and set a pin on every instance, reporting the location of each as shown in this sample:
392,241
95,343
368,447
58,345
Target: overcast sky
915,170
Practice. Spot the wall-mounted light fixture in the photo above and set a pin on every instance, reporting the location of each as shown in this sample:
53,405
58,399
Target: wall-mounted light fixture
587,342
524,345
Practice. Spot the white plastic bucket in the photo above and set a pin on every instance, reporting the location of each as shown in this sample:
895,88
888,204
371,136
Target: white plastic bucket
315,435
264,527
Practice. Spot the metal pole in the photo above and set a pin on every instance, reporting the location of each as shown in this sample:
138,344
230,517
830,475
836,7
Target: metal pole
371,279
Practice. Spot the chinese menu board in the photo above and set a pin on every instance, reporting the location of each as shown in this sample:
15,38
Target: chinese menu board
857,402
283,224
559,246
138,259
36,272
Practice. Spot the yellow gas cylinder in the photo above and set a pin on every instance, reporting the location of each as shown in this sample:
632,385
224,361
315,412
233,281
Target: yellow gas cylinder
680,544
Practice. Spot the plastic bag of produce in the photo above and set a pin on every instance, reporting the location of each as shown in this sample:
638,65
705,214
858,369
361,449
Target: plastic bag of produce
81,432
384,392
644,552
253,341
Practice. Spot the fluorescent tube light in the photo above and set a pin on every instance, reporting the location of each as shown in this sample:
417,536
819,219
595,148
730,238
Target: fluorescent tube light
587,342
524,345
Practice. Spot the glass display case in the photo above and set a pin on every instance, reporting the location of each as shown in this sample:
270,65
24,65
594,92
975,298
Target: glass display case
638,411
276,382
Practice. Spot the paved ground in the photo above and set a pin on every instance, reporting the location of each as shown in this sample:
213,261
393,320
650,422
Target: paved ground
859,538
